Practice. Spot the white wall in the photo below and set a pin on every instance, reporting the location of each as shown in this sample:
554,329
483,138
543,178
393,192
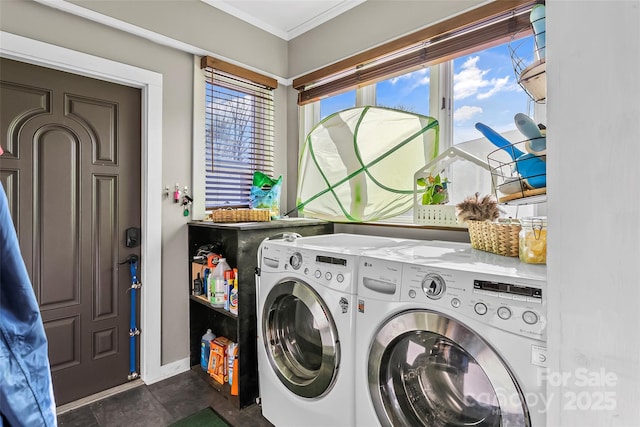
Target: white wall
198,24
594,211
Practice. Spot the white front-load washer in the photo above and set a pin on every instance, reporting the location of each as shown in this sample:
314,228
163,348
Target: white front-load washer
306,327
449,336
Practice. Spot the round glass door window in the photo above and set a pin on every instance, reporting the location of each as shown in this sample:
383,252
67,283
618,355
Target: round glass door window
300,339
428,370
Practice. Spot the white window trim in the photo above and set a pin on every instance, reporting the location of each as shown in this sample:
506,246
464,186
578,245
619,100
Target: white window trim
198,211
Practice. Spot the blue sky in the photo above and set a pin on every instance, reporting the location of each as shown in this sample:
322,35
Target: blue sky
485,90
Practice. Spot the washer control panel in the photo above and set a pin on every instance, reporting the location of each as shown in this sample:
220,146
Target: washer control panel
514,304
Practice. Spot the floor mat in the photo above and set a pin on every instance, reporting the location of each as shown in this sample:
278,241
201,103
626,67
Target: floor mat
204,418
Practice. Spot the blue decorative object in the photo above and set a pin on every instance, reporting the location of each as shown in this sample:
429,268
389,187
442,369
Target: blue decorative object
537,18
531,168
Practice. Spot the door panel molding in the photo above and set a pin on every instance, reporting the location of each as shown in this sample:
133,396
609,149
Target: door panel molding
40,103
85,111
64,333
44,54
56,153
104,278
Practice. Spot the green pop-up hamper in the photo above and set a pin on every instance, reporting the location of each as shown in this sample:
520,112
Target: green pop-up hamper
358,164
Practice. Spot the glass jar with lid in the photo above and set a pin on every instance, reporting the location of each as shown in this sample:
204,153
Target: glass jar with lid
532,242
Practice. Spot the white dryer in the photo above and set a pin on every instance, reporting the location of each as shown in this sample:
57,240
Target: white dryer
449,336
306,327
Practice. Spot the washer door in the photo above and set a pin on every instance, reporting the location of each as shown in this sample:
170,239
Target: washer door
300,338
426,369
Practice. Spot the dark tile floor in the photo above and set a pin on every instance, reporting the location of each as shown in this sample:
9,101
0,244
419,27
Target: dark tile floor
161,404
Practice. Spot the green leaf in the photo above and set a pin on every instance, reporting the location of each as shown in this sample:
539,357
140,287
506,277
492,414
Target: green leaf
426,199
438,198
421,182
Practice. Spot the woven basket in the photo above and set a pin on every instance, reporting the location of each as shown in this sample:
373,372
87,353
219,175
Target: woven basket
497,237
240,215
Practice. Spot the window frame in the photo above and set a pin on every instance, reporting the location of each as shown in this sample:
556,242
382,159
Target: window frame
491,24
239,80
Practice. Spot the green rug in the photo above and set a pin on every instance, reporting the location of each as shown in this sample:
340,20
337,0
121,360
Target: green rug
205,418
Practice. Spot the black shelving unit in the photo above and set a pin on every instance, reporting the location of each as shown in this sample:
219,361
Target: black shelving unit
239,243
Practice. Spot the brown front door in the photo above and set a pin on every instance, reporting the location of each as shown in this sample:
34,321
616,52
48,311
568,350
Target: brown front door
71,170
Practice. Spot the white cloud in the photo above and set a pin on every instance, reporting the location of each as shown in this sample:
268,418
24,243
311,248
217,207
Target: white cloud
499,85
471,80
417,78
466,112
424,81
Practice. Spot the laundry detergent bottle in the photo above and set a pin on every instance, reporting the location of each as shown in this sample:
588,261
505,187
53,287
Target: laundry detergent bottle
218,283
205,348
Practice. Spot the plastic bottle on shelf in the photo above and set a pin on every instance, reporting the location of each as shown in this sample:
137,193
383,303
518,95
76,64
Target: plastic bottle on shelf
235,387
228,284
205,348
217,283
233,293
232,353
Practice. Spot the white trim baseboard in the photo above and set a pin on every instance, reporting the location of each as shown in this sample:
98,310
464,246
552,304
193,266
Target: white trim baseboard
169,370
62,409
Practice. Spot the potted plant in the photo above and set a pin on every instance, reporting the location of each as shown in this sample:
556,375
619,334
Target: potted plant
435,190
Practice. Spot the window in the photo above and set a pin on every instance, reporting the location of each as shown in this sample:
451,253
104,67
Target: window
485,90
337,103
239,133
457,83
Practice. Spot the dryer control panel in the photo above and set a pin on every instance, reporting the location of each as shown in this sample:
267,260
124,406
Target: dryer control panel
335,271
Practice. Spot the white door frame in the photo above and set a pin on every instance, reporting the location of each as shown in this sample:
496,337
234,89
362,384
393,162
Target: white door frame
47,55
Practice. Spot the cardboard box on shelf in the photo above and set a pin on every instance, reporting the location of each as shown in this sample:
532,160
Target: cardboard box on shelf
218,368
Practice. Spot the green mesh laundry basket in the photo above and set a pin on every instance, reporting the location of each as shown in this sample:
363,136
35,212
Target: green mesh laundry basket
358,164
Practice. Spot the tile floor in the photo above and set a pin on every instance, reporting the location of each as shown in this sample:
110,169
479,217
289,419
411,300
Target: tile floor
161,404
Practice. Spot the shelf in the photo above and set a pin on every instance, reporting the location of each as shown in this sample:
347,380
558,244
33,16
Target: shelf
262,225
238,243
202,300
526,197
224,389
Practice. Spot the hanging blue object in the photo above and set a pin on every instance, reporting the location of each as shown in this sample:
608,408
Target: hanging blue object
538,22
530,167
133,329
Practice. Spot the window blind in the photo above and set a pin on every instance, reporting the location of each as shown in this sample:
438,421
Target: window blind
239,136
488,25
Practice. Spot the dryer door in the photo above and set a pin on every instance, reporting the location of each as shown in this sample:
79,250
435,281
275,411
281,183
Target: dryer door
300,338
426,369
